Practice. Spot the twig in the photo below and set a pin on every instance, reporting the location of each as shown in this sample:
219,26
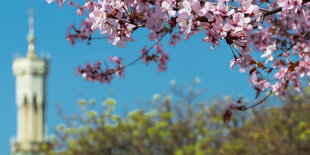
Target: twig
233,7
279,9
148,50
257,103
104,37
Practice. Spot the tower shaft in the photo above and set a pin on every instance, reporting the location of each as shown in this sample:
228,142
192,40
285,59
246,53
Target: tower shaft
31,73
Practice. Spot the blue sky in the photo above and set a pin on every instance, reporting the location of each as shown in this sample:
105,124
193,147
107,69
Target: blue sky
189,59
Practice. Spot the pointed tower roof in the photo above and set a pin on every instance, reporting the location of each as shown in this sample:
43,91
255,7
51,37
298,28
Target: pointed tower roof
30,38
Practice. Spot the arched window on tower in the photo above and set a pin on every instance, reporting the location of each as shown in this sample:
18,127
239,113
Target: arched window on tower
25,100
35,103
35,118
24,118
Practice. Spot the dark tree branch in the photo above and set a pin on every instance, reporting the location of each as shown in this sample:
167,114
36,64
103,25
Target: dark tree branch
279,9
256,104
148,50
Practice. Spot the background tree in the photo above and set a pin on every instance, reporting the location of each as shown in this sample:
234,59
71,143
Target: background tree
186,124
283,129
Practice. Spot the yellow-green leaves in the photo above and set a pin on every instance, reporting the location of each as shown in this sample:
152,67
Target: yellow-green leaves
109,102
182,128
82,102
92,113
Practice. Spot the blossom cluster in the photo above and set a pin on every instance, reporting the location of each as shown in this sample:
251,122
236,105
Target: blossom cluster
278,30
96,73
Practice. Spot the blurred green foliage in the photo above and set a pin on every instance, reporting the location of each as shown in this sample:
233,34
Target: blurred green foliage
185,125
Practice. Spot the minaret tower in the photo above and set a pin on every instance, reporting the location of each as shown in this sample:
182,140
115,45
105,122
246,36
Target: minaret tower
31,73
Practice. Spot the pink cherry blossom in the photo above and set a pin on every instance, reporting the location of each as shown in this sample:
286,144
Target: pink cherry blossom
268,52
163,58
289,4
304,67
279,89
167,6
276,33
259,83
212,37
60,2
237,22
185,22
243,61
281,73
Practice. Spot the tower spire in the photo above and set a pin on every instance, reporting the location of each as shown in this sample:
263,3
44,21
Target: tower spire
30,38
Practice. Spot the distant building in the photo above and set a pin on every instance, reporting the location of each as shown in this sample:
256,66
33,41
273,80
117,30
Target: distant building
31,73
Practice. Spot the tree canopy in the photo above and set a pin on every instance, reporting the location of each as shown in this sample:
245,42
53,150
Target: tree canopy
182,123
277,30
